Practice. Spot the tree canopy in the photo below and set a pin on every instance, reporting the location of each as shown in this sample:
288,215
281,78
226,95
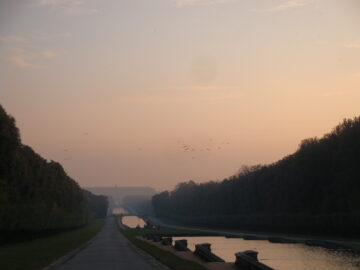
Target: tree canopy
36,194
314,190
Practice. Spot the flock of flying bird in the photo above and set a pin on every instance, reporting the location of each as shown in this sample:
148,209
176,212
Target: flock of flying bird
187,148
191,149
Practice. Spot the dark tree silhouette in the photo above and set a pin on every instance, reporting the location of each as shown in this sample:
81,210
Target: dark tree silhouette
36,194
314,190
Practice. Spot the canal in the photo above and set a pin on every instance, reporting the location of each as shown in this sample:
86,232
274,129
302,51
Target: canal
133,221
280,256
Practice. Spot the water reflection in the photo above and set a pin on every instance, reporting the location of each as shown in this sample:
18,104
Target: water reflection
133,221
280,256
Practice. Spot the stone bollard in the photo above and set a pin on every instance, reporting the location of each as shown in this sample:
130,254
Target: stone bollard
248,260
204,252
251,253
204,246
181,245
156,238
167,241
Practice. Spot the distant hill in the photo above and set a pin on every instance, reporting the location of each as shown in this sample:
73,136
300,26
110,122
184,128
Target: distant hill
315,190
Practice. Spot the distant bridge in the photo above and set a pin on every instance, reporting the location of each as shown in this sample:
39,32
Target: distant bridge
126,215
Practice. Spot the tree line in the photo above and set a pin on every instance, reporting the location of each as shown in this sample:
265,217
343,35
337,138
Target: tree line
315,190
36,194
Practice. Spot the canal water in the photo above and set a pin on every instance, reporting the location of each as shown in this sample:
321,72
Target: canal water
133,221
280,256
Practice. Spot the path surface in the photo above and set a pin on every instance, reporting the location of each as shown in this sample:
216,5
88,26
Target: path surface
108,251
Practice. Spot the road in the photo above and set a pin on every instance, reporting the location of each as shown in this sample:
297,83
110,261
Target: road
108,251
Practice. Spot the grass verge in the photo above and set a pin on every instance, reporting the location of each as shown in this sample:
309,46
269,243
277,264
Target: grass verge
167,258
38,253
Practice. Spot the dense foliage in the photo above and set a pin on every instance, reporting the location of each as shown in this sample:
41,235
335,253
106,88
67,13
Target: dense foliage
315,190
36,194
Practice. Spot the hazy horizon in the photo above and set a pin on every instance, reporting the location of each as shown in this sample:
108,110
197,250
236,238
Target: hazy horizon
152,93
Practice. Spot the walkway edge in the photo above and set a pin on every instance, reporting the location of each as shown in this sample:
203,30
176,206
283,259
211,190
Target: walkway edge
69,255
146,256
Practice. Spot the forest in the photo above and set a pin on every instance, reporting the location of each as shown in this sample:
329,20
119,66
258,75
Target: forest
36,194
315,190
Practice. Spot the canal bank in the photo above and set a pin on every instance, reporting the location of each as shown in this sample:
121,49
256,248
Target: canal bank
272,237
174,262
277,251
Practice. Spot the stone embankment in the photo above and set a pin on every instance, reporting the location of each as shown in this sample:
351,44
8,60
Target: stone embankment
246,260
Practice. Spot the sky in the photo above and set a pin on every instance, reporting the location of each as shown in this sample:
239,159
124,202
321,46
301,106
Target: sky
157,92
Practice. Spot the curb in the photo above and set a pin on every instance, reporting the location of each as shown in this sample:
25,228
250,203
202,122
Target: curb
57,263
146,256
67,257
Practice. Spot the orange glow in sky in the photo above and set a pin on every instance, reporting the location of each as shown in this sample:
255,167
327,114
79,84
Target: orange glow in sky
154,92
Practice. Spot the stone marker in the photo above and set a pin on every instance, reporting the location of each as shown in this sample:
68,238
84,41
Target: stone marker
248,260
181,245
167,241
156,238
204,252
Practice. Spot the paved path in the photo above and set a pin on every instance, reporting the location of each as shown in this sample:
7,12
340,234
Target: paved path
108,251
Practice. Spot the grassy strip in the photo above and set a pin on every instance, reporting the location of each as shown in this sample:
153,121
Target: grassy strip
39,253
169,259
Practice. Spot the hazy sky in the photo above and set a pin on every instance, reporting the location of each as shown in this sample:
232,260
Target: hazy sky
154,92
